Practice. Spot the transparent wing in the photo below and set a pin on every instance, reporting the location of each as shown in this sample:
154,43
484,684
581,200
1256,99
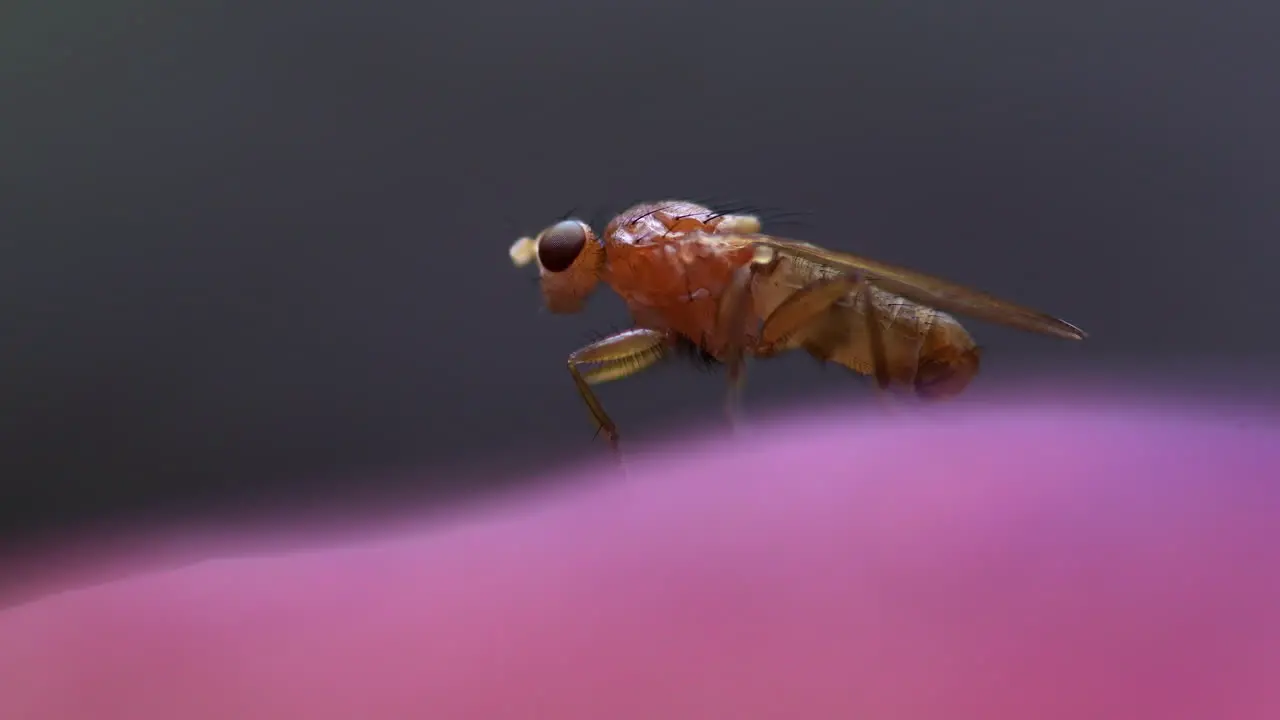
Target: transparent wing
921,288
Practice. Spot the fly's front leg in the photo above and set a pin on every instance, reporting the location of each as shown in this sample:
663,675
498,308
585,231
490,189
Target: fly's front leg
614,358
735,303
804,306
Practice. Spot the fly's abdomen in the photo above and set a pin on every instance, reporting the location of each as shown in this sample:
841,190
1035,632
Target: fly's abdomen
948,361
924,349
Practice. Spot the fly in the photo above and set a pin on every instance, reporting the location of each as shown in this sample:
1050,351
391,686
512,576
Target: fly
692,277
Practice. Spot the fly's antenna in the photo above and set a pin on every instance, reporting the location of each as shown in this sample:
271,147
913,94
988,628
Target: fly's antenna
523,251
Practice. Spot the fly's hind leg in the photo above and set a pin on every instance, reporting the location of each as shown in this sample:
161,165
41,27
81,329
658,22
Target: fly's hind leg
804,306
613,358
875,337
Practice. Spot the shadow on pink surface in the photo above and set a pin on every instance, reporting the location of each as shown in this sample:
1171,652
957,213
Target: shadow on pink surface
1038,559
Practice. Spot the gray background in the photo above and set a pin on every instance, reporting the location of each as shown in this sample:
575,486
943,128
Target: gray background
251,253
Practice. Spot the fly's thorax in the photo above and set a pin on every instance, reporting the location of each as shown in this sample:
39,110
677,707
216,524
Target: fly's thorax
652,222
674,270
676,284
658,222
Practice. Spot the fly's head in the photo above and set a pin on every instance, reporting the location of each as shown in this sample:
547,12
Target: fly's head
569,257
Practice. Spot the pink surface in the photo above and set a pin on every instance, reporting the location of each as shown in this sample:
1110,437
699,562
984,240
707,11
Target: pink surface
1036,561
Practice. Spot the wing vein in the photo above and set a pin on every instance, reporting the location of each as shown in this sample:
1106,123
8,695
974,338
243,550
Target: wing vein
922,288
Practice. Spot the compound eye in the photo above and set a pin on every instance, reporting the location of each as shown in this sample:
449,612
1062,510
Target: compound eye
560,244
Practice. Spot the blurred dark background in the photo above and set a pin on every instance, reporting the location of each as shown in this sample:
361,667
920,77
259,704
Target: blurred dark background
255,255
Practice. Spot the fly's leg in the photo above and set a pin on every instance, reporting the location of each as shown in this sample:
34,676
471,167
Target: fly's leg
613,358
805,305
733,311
875,336
734,305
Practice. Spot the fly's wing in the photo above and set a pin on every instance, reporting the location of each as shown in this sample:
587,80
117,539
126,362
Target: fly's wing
921,288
